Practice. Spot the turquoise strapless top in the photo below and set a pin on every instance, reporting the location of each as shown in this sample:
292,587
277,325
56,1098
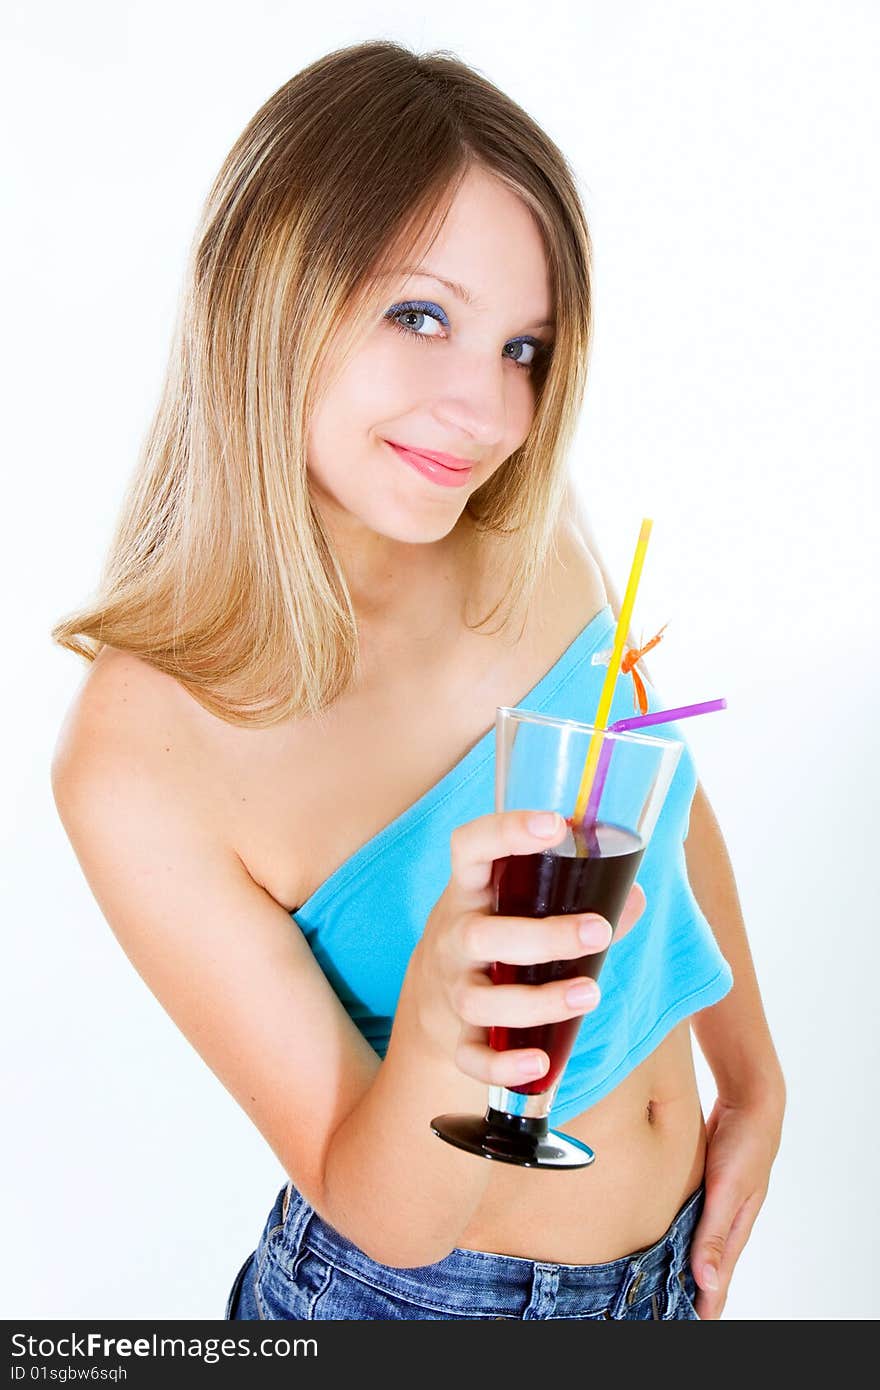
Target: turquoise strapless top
364,920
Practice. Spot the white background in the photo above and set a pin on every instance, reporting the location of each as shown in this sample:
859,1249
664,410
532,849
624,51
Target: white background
726,155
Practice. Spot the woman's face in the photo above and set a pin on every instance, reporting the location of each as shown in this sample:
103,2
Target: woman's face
438,374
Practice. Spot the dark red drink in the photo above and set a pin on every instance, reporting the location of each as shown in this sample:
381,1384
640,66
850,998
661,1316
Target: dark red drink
546,885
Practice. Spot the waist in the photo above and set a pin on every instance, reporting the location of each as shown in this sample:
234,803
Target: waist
649,1137
309,1257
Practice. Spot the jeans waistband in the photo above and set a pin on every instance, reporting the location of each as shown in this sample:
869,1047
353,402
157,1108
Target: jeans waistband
493,1282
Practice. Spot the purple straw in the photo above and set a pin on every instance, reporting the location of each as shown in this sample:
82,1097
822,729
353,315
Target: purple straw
638,721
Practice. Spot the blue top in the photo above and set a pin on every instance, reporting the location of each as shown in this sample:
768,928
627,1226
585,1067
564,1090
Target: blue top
364,920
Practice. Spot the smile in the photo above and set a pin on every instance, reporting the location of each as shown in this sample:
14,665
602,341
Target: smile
431,469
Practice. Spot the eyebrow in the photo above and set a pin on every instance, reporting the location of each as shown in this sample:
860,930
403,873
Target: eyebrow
458,290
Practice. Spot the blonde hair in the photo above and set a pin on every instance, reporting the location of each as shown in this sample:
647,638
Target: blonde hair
220,572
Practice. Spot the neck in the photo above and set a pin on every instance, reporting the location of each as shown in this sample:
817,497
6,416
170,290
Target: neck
403,589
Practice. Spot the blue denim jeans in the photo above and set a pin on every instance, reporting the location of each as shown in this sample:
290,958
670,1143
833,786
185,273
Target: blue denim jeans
303,1269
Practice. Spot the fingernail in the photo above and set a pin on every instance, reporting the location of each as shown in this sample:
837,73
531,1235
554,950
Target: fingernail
710,1276
581,994
544,823
595,932
531,1066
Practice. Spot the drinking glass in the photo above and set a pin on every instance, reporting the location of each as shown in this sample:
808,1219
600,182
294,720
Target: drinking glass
539,763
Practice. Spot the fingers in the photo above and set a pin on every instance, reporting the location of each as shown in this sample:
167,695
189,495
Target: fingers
719,1240
476,845
707,1247
480,1002
483,937
475,1058
533,940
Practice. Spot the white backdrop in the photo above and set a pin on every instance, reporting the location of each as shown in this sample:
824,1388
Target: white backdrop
726,155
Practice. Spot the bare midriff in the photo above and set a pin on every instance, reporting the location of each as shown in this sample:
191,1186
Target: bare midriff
649,1137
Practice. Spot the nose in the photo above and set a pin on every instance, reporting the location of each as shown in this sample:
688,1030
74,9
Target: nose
471,398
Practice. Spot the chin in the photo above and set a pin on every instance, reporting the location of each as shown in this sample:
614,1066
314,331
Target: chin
410,524
419,530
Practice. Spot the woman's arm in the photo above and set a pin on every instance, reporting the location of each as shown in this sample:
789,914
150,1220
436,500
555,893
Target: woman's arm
733,1034
745,1126
134,786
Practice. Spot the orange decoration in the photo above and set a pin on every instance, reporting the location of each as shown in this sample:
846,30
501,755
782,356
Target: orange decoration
629,665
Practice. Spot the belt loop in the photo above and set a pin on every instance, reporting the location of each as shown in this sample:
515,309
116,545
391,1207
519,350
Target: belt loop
297,1217
544,1291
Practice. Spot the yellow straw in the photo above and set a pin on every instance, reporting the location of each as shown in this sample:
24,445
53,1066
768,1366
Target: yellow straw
607,695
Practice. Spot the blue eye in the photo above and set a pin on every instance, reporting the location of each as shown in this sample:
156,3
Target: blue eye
419,312
417,309
530,345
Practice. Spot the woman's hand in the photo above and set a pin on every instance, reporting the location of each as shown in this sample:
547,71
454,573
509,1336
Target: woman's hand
743,1140
456,999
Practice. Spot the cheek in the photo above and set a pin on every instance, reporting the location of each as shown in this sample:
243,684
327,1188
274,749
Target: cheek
521,405
359,398
384,381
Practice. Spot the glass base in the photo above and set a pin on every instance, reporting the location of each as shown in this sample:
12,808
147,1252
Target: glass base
513,1139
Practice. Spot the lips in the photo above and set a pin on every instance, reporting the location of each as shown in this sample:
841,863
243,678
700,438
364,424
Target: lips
429,464
458,465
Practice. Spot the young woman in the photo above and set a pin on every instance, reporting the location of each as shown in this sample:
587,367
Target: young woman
277,773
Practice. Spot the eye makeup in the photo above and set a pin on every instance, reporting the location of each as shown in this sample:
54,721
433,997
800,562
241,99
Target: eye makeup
427,309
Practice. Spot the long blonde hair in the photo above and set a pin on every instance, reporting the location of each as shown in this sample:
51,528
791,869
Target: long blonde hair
220,571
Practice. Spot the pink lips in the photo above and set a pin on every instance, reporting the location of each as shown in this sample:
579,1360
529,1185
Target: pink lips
445,469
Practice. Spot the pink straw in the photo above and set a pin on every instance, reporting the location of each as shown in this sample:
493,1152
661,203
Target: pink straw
638,721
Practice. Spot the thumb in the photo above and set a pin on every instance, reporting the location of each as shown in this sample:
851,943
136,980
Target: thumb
710,1238
476,845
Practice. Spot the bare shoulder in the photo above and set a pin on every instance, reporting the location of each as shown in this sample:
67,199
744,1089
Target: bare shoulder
127,714
575,583
117,680
574,552
575,530
572,587
135,786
